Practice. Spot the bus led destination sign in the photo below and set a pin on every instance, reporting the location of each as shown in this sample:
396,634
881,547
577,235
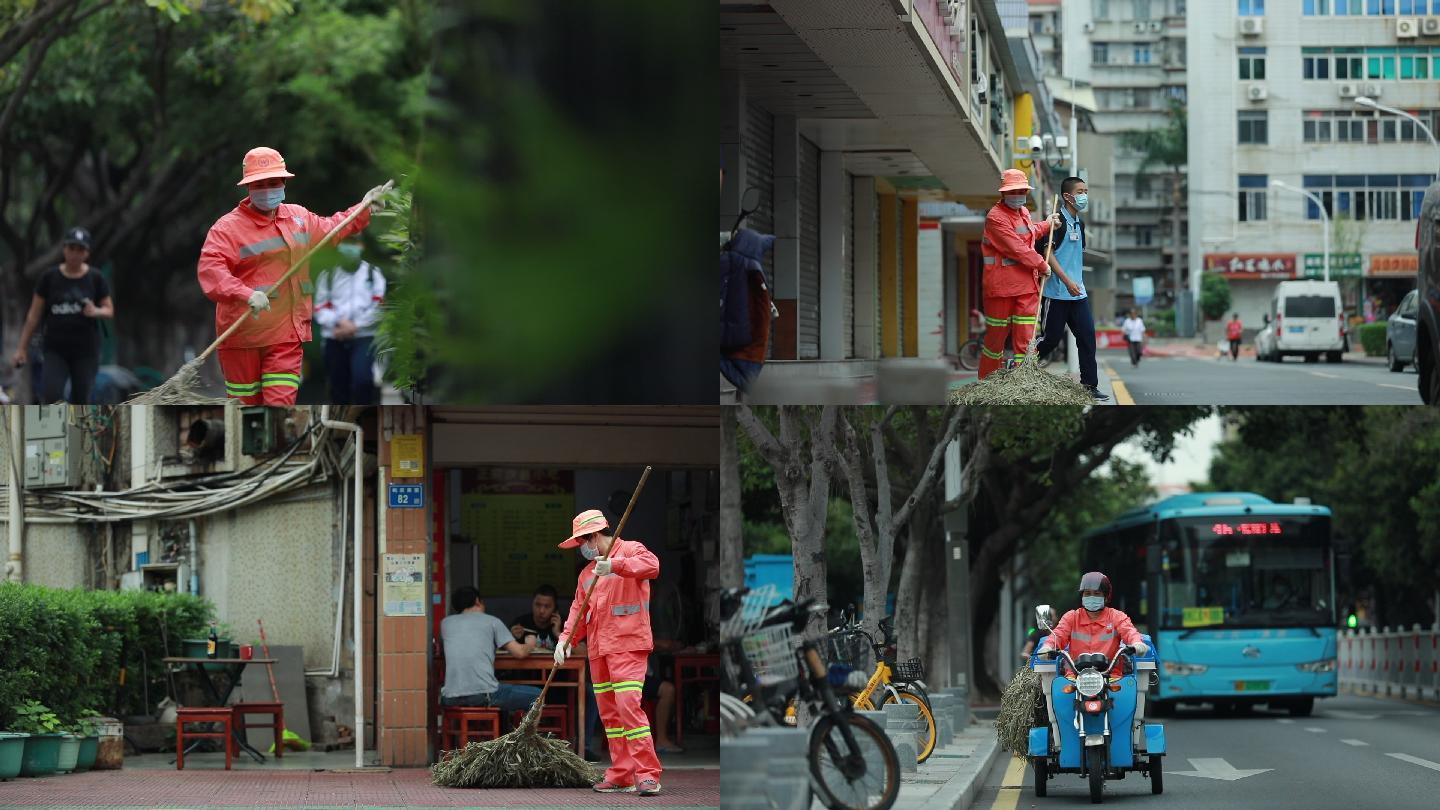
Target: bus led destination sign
1245,528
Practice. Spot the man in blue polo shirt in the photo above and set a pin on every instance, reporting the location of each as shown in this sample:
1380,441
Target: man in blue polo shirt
1065,288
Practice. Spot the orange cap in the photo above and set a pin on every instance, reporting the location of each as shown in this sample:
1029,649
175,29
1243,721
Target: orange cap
591,520
1014,180
262,163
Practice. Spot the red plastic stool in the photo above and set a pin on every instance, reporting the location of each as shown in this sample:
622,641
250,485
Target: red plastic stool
276,711
554,718
463,724
222,716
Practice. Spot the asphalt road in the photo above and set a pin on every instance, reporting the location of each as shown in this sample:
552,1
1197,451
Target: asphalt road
1343,756
1211,381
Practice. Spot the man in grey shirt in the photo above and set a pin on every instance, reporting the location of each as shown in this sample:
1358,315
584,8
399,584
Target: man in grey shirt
471,636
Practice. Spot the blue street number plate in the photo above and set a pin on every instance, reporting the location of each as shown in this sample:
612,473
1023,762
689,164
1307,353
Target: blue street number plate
407,496
1251,686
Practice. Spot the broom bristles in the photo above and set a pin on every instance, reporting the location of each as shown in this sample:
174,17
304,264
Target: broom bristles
521,759
180,389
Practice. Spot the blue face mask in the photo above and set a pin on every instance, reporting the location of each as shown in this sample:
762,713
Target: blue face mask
267,199
1016,201
1082,201
589,552
1093,603
350,250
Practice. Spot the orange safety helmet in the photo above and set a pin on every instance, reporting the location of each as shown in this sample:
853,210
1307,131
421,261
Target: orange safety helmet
262,163
591,520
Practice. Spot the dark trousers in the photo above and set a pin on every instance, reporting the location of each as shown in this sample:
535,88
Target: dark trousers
1235,349
1137,350
1075,315
347,365
76,365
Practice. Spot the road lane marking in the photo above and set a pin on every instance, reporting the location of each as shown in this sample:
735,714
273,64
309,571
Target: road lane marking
1217,768
1424,763
1323,374
1010,786
1286,720
1355,742
1314,730
1401,387
1344,714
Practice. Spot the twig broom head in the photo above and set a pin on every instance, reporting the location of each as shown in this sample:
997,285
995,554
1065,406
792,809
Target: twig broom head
523,758
181,389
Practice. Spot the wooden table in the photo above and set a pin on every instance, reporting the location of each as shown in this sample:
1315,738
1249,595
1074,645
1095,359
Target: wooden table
695,668
233,667
570,677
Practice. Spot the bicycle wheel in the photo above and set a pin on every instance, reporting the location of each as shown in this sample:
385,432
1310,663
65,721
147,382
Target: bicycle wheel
969,357
844,748
928,737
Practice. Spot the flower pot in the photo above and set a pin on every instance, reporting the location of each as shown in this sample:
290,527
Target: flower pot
88,747
12,752
69,752
197,647
42,755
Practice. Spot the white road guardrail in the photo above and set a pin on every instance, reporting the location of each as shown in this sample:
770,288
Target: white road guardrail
1399,663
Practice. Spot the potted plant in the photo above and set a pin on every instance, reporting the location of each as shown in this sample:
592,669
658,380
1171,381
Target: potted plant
89,735
69,751
12,753
42,747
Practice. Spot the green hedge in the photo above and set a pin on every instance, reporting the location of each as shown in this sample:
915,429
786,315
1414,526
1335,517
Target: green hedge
1372,337
66,648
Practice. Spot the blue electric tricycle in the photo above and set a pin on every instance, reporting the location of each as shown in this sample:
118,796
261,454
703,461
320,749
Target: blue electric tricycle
1095,714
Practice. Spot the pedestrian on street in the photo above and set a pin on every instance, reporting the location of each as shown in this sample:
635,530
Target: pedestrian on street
617,625
1233,330
1012,271
347,307
1065,288
69,301
245,254
1134,329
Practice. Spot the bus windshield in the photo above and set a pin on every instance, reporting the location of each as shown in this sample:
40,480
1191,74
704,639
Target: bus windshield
1246,571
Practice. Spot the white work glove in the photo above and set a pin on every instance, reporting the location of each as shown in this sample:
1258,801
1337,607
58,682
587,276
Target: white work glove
258,301
1044,648
378,203
562,649
1140,648
602,567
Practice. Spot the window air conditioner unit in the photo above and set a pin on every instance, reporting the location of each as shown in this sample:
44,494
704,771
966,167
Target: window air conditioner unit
1372,90
1157,26
1047,29
1088,28
1430,26
1407,27
1252,26
1255,92
1139,27
1348,89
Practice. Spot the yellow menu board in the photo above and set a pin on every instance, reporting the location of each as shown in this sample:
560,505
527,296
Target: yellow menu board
517,537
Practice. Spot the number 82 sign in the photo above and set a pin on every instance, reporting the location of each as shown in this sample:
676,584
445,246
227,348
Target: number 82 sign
407,496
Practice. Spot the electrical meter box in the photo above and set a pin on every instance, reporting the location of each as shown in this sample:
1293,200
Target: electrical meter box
260,430
52,448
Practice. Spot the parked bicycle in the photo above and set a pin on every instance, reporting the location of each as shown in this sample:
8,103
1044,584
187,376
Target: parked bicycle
898,681
853,765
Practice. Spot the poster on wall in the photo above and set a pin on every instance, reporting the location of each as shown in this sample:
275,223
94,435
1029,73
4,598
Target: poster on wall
516,519
404,585
407,457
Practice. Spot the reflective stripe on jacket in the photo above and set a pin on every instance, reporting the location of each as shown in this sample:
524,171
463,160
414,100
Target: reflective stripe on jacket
1011,263
246,250
618,617
1085,635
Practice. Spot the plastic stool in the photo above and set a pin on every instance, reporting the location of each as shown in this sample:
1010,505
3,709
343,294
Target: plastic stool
225,717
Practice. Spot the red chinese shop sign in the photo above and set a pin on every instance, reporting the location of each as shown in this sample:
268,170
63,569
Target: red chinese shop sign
1251,265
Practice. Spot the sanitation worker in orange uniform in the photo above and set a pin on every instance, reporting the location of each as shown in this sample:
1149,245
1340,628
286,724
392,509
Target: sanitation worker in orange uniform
617,626
1094,627
245,254
1012,272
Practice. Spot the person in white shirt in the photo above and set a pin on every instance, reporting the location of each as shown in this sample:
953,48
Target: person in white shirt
347,307
1134,329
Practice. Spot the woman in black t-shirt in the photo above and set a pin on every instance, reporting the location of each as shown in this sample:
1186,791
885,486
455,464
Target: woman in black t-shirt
69,299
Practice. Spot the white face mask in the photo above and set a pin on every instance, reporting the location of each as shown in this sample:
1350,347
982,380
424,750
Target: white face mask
1093,603
589,551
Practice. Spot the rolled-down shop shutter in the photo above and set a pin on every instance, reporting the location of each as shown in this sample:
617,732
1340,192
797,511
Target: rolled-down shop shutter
758,145
808,303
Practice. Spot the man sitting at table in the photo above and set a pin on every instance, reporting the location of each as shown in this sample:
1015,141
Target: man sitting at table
471,636
543,621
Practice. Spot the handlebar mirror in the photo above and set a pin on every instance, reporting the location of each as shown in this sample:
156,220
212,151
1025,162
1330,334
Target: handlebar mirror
750,200
1042,616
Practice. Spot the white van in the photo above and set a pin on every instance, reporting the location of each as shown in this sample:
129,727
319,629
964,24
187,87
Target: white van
1304,318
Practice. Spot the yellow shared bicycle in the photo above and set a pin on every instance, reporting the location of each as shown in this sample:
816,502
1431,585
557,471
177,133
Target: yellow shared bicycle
891,681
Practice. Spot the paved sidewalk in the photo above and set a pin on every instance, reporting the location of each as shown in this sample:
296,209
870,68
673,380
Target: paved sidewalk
408,787
952,776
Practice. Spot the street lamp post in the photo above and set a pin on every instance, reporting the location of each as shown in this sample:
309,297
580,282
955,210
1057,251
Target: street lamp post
1366,101
1323,215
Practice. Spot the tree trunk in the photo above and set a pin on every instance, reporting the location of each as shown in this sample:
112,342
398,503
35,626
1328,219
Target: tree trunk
907,593
732,546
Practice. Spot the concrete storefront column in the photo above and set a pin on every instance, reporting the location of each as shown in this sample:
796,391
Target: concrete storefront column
786,335
403,656
909,276
832,255
867,338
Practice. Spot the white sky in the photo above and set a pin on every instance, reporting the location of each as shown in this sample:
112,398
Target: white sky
1189,463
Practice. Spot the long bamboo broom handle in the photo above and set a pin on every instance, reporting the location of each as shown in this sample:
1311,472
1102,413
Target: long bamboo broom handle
585,603
1040,300
324,240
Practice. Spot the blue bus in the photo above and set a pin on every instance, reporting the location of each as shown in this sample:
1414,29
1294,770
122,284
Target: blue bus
1237,591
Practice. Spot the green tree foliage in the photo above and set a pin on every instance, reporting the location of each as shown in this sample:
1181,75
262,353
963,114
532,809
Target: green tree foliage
1214,295
1378,469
